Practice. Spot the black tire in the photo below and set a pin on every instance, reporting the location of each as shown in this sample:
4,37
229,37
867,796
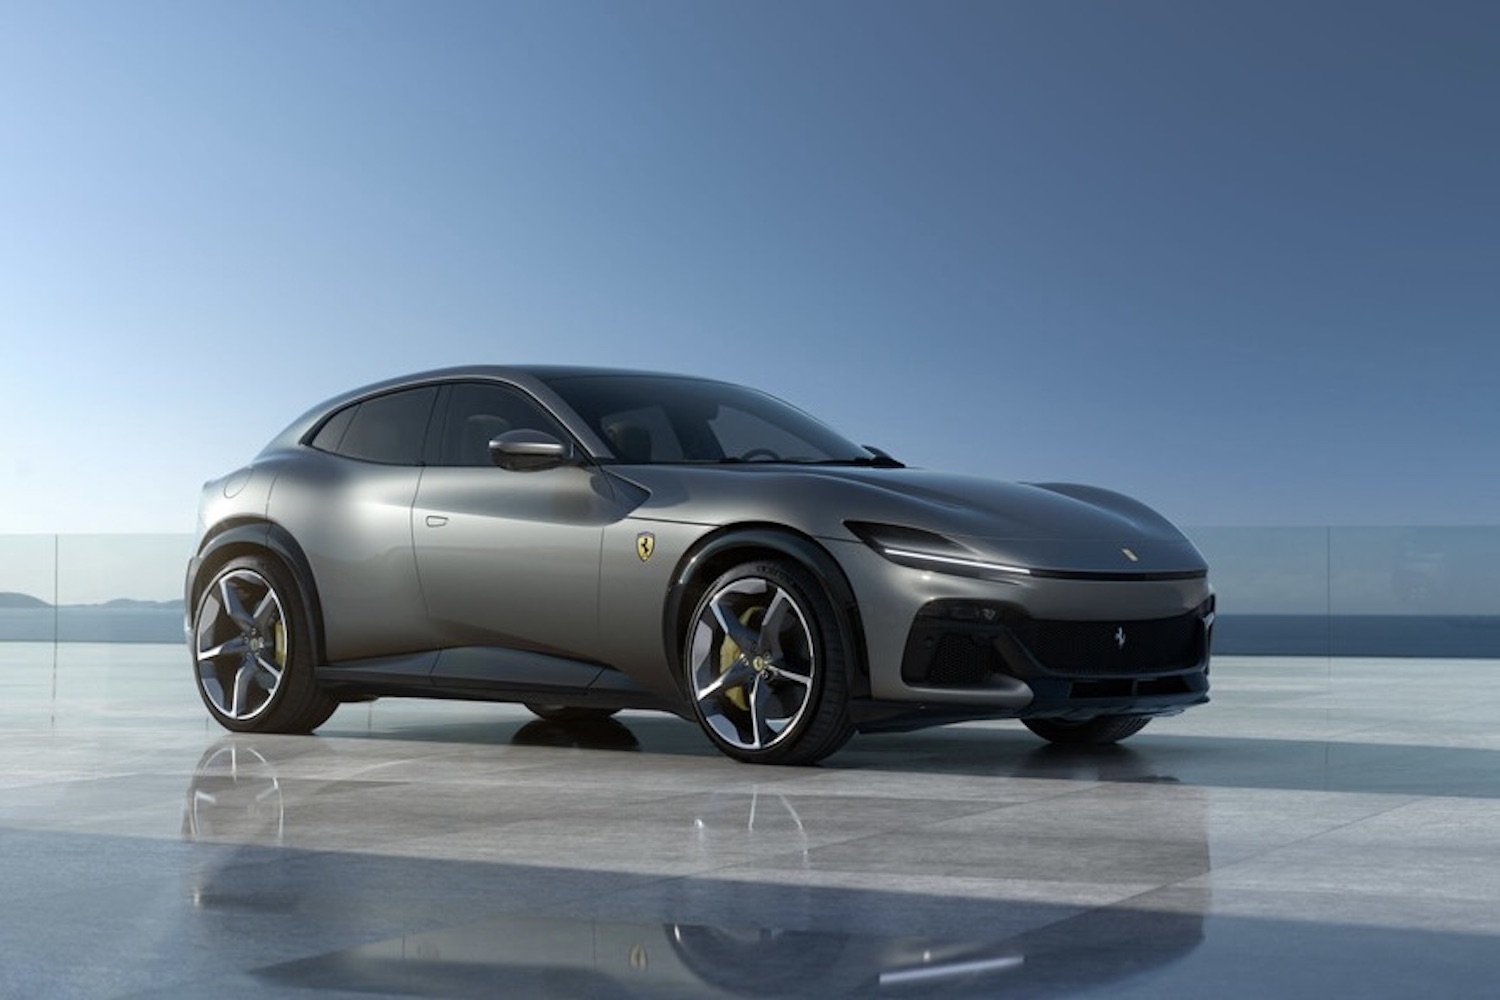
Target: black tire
1099,731
569,713
766,660
253,652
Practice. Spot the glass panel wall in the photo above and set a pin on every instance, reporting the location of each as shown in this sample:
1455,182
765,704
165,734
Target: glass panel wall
1407,591
89,623
1402,591
92,588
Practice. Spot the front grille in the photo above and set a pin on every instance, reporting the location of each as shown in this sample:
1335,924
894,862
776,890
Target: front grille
958,644
1104,648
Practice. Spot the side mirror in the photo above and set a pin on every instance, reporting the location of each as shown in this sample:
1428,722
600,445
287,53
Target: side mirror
526,450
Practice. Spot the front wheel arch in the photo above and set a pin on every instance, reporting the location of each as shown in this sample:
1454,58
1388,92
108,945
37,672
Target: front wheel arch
765,663
728,547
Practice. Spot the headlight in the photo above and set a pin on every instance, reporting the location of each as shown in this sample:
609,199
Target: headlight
928,550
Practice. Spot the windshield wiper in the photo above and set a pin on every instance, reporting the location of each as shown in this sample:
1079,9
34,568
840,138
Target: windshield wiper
881,461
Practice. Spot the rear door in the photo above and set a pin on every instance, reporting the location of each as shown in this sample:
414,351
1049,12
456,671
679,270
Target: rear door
349,506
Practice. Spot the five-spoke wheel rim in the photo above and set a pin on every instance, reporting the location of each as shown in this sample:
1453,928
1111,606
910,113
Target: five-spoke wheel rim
241,644
752,662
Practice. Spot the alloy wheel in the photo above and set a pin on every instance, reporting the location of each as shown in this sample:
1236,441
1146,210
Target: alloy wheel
752,663
241,644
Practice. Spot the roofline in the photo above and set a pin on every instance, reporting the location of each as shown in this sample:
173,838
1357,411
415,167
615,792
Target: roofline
531,378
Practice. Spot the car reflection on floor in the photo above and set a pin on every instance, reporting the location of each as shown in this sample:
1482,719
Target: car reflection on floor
237,797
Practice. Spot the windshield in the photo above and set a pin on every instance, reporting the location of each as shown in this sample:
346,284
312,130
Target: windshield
660,419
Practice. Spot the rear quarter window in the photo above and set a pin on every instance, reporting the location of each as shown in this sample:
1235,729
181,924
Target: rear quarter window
388,429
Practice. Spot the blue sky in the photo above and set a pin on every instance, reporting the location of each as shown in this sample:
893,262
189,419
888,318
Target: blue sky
1241,260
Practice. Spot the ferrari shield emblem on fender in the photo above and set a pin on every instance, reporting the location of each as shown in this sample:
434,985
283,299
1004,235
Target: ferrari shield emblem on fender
645,544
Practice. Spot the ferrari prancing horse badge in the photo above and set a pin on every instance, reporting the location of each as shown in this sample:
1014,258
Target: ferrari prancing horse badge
645,544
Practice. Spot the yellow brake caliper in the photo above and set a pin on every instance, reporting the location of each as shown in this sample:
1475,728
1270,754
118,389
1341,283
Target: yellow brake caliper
729,651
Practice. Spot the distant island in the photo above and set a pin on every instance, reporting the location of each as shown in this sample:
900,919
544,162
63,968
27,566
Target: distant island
11,599
24,618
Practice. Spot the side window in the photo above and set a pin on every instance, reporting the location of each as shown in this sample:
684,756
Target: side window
481,411
388,429
643,435
332,431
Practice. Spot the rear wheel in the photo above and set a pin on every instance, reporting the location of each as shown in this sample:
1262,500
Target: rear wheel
252,649
1098,731
766,662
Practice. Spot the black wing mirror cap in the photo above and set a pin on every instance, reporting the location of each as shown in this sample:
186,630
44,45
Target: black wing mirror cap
527,450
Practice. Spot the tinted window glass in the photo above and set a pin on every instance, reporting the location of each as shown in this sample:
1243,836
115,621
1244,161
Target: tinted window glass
389,429
478,412
332,431
650,418
642,435
743,433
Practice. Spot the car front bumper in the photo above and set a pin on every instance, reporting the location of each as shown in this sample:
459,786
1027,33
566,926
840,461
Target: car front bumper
939,644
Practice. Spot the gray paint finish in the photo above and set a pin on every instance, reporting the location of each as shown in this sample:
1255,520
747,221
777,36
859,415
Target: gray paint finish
589,561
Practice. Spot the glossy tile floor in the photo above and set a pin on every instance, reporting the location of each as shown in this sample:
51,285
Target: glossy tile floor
1326,828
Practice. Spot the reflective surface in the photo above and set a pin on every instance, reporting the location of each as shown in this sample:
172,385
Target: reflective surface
1324,828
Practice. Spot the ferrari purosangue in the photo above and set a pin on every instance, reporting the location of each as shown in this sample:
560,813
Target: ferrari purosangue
586,540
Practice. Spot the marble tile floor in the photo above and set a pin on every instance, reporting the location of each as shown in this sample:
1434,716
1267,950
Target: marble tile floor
1325,828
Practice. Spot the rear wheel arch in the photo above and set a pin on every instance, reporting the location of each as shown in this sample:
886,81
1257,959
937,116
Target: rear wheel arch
252,537
252,651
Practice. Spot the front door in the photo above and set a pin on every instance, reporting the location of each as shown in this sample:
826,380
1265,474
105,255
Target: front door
507,558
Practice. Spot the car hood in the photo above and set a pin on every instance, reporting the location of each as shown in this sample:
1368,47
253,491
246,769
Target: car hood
1060,526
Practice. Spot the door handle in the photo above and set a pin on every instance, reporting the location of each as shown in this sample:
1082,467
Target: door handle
436,520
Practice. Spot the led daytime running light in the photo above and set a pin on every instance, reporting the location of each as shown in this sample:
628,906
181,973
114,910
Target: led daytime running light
955,561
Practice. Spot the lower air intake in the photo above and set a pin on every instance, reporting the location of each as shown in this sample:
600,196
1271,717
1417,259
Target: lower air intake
1113,648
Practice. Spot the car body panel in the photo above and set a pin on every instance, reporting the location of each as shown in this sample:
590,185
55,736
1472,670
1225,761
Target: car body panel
633,591
1024,524
576,580
353,521
512,559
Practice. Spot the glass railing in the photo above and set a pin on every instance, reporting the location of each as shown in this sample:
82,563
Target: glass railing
1403,591
92,588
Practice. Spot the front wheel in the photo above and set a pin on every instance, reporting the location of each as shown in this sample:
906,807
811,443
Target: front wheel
252,650
1099,731
766,661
